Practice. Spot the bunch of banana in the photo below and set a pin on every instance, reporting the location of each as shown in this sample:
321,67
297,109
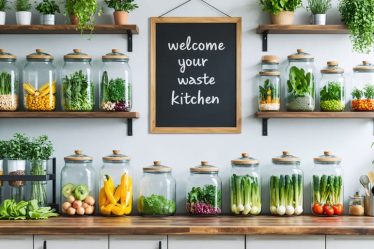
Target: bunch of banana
43,91
42,99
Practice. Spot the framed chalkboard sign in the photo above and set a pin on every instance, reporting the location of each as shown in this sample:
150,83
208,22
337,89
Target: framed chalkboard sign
195,75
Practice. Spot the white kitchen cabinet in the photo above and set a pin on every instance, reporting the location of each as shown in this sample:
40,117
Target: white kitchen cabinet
349,242
206,242
285,242
16,242
138,242
71,242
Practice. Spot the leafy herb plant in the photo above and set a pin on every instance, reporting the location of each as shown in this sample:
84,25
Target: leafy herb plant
358,15
17,147
122,5
23,5
319,6
3,5
77,92
276,6
332,97
48,7
85,11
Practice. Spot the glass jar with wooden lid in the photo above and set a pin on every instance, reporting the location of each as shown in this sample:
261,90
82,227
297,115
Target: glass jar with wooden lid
286,186
39,82
204,190
332,88
269,84
269,63
115,82
8,82
116,186
78,185
327,185
300,80
157,191
363,87
245,186
78,88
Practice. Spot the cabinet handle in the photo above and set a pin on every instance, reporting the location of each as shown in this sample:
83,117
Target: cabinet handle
45,244
159,245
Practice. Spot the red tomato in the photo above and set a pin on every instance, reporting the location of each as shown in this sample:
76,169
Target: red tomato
328,210
338,209
317,208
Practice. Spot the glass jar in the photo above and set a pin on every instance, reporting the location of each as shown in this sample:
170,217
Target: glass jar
38,188
245,186
286,186
327,186
332,88
300,82
363,87
269,91
39,82
356,205
157,191
78,185
78,89
116,82
204,190
1,182
17,188
116,187
269,63
8,82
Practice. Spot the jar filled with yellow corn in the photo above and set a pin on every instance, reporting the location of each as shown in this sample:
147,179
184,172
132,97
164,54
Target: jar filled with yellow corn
39,82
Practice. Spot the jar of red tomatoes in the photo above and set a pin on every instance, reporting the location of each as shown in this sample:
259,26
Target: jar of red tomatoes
363,87
327,185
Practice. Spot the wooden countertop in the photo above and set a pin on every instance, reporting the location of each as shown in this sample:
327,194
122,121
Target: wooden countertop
183,225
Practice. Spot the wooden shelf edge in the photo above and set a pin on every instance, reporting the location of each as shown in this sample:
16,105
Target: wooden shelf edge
362,115
127,115
302,29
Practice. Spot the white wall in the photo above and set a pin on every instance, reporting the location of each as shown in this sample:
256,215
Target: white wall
350,139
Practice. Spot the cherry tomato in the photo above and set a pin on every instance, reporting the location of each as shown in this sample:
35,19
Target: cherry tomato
328,210
317,208
338,209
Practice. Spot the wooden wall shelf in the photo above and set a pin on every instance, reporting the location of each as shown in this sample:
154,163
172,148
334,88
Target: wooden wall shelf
129,30
265,116
122,115
266,29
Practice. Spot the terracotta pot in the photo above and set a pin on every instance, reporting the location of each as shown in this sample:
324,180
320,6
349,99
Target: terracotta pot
121,17
74,20
283,18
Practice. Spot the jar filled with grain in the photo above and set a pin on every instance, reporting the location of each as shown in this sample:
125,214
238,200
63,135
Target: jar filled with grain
8,82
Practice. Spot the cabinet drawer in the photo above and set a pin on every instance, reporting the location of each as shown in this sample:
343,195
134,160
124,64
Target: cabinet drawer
71,242
285,242
138,242
206,242
343,242
16,242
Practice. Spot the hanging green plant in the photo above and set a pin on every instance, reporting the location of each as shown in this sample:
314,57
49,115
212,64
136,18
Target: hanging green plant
358,15
82,13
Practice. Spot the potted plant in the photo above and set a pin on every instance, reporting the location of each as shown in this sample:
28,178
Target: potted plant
23,13
47,9
358,15
318,8
281,11
3,7
82,13
121,10
3,145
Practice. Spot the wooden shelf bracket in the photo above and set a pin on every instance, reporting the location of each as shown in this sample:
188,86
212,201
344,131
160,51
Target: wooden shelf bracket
265,127
265,42
129,41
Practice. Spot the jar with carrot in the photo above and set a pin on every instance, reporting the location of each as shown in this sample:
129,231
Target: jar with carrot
363,87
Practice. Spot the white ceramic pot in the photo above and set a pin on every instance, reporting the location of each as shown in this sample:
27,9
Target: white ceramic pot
14,165
319,19
23,17
1,166
2,17
47,19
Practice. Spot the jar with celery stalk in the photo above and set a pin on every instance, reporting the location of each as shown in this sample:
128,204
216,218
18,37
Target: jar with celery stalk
116,82
157,191
286,186
39,82
245,186
300,80
8,82
78,90
78,185
204,191
116,185
332,88
327,185
363,87
269,63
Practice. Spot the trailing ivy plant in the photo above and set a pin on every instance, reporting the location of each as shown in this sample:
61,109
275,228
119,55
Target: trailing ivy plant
122,5
358,15
48,7
319,6
276,6
23,5
3,5
85,11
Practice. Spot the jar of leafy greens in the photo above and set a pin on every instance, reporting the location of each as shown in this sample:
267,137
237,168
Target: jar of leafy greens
363,87
8,82
269,63
39,82
115,82
286,186
269,91
204,191
332,88
157,191
78,185
116,194
327,186
300,82
78,90
245,186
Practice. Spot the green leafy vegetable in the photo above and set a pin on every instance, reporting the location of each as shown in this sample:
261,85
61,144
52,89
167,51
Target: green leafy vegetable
327,189
122,5
300,83
6,84
156,205
332,97
11,210
113,89
205,200
17,147
367,92
245,195
48,7
319,6
269,90
276,6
